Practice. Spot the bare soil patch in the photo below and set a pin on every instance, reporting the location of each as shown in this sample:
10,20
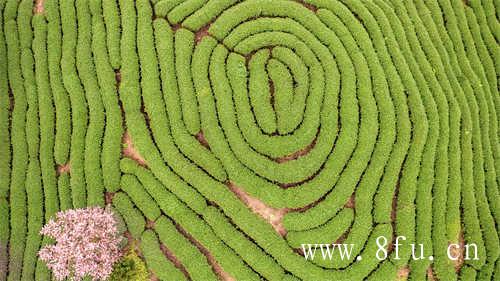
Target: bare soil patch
297,154
108,197
130,151
61,169
176,26
351,203
150,224
118,78
202,32
38,7
153,277
272,215
430,274
403,273
202,140
458,252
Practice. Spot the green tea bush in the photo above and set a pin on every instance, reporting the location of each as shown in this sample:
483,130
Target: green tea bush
262,125
130,268
155,259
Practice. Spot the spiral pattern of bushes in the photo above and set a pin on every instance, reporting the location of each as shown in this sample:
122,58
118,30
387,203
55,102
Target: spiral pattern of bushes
354,119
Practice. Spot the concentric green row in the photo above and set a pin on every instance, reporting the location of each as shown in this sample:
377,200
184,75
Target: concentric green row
397,101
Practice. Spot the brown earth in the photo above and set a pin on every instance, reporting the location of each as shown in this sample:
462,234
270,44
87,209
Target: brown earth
202,140
430,274
403,273
272,215
351,203
38,7
61,169
458,252
308,5
175,261
108,197
297,154
130,151
202,32
150,224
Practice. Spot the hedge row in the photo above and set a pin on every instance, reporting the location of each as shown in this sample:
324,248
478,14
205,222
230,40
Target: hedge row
258,91
191,258
131,215
156,261
113,131
111,16
184,9
47,117
283,94
60,95
5,150
425,150
184,44
33,174
17,191
95,128
253,255
187,218
79,108
64,190
140,197
469,65
326,233
5,147
181,102
300,78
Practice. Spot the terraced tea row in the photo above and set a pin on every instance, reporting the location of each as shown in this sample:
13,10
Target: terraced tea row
256,127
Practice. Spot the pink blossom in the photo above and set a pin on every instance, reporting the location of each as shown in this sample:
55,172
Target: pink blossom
87,243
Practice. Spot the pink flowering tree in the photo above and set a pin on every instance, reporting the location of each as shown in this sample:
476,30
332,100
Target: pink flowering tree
87,244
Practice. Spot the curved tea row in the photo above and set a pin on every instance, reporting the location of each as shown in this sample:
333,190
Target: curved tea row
355,119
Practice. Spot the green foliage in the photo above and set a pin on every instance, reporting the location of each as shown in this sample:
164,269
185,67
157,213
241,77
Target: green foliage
93,137
155,259
17,193
60,95
132,217
192,259
113,131
140,197
79,109
391,106
130,268
5,148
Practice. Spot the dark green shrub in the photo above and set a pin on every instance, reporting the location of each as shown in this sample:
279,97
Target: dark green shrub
130,268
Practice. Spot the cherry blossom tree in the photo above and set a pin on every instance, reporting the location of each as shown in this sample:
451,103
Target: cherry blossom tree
87,243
